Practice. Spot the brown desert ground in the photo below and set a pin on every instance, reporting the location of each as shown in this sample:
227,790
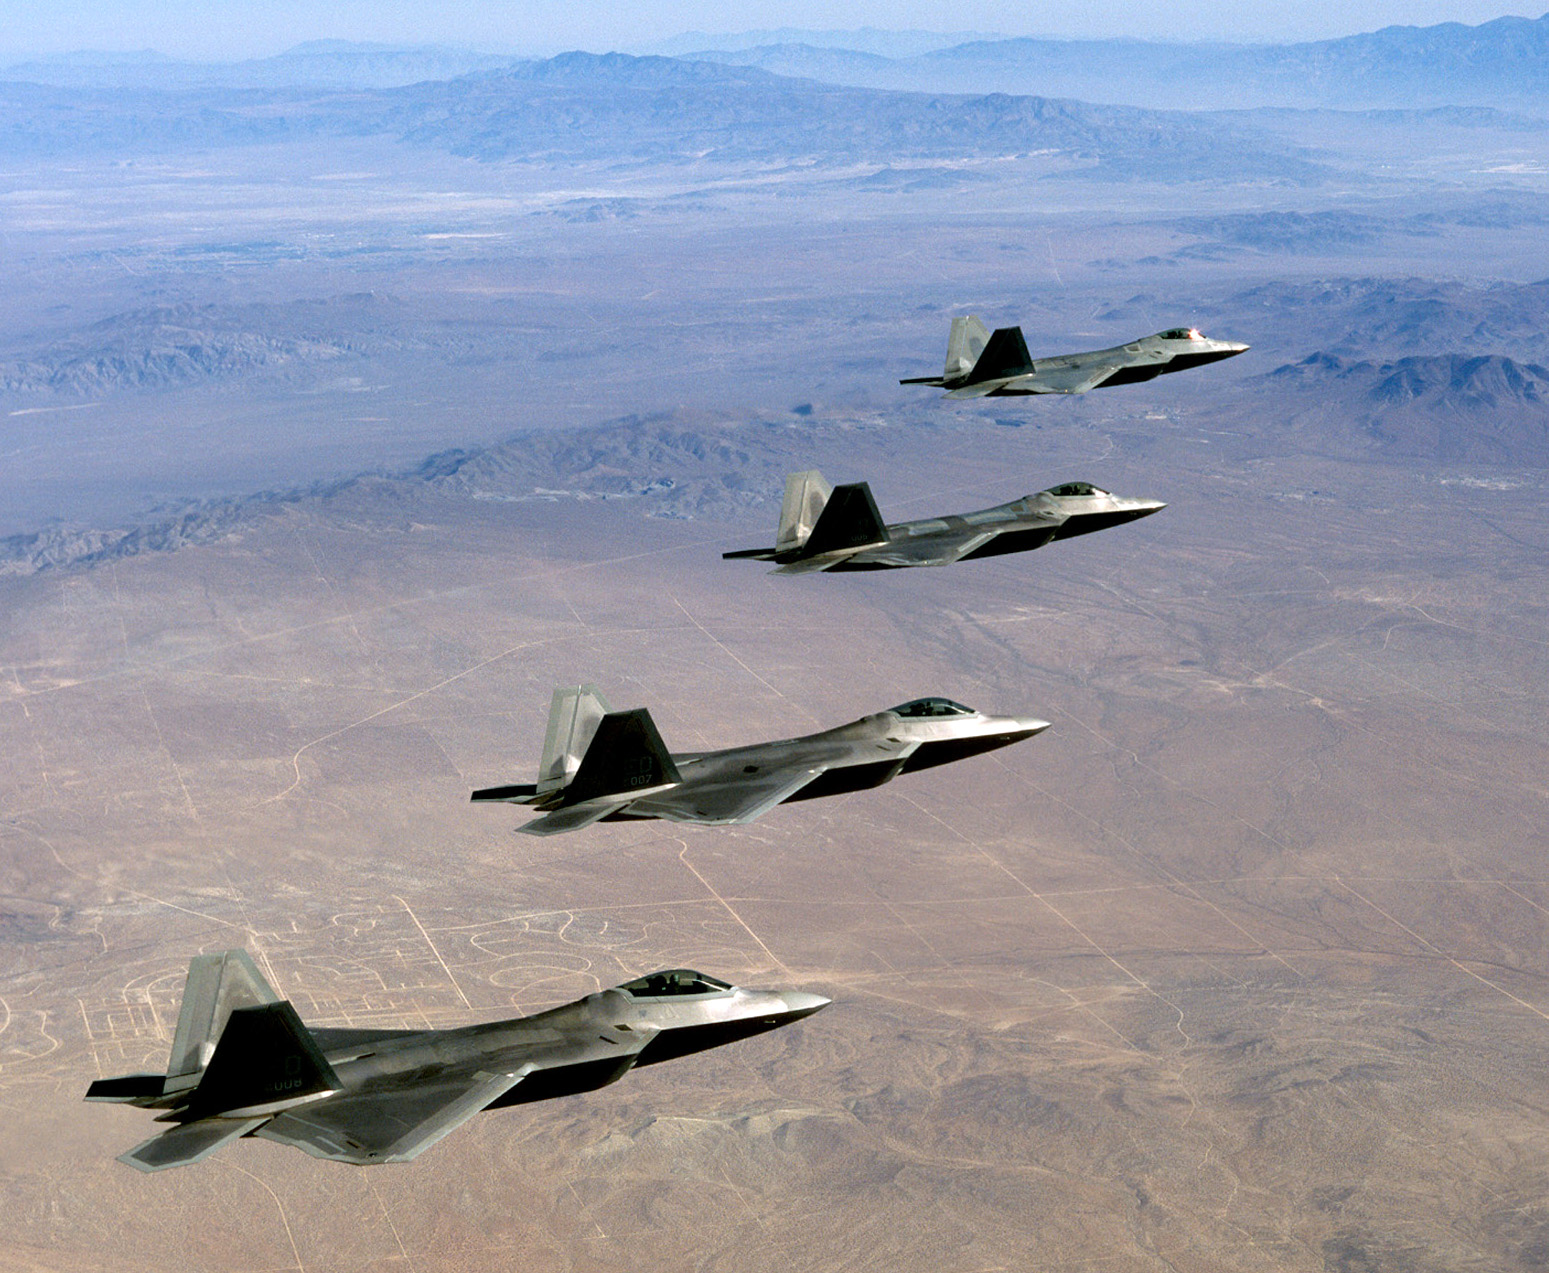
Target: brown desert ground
1240,966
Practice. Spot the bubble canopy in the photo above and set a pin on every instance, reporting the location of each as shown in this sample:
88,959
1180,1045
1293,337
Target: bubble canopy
1077,488
918,707
675,981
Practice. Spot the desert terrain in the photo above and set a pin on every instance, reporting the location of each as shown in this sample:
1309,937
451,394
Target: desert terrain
329,457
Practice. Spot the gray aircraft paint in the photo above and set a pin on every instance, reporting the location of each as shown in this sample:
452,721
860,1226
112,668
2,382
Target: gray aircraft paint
1061,512
627,774
984,364
377,1096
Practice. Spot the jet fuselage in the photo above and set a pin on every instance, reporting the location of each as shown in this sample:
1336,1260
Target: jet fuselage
371,1096
983,364
1048,515
902,745
675,1024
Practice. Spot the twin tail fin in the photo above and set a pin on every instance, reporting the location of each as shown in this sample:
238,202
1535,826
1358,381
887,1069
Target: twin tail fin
817,518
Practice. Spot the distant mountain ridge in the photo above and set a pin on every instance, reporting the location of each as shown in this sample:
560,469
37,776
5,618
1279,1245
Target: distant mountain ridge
1447,407
1451,408
684,463
615,106
183,345
1502,63
883,43
328,64
1354,319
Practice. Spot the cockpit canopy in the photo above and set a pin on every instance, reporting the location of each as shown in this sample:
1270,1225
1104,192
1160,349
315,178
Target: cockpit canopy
919,707
1077,488
1180,333
675,981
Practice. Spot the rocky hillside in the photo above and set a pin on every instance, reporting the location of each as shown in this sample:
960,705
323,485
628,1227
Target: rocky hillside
1448,407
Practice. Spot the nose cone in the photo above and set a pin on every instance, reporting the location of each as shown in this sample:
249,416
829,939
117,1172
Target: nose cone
1027,726
1140,507
802,1003
1203,350
1227,348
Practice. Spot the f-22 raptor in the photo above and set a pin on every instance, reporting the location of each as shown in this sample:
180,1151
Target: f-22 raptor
838,528
599,765
243,1064
982,364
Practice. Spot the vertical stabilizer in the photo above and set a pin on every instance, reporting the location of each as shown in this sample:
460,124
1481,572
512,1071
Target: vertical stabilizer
265,1059
849,520
626,754
964,345
217,985
806,494
1005,356
573,719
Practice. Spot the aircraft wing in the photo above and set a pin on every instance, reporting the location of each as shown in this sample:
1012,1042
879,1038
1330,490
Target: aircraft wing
1076,378
389,1124
734,798
940,549
1073,379
925,550
396,1120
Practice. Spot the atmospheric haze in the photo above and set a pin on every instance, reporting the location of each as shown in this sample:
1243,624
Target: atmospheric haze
347,417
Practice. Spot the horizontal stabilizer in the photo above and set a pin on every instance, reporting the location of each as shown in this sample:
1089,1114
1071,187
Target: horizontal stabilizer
515,793
188,1143
1004,356
131,1087
626,755
265,1060
573,817
849,520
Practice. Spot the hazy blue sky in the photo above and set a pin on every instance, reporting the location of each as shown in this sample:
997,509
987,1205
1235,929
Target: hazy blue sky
222,29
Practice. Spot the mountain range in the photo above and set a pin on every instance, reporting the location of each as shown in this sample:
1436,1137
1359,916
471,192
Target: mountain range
1442,408
648,109
1503,63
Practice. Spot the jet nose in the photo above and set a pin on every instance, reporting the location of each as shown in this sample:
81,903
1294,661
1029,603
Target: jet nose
803,1003
1027,726
1143,507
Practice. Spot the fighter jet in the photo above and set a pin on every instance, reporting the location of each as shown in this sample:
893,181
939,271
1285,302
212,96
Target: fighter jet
599,765
981,364
825,527
243,1064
